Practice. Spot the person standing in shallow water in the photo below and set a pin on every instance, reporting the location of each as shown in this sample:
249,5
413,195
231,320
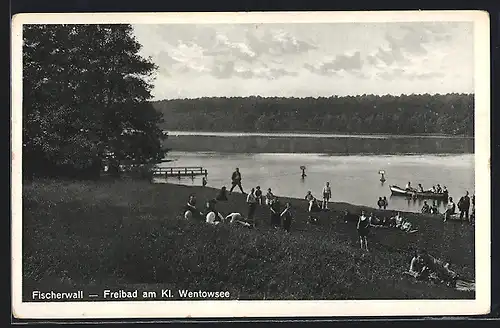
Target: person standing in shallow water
386,203
236,180
380,203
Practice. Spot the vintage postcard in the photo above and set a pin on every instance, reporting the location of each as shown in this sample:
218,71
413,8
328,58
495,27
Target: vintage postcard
230,165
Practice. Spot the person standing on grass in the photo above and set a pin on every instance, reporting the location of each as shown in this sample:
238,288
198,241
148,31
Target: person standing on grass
464,206
236,180
450,210
275,209
287,217
258,195
252,205
363,228
327,194
269,197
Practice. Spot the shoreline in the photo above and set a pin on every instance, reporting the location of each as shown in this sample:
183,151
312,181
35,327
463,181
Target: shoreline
310,134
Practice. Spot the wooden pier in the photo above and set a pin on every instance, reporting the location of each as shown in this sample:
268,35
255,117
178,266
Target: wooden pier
180,171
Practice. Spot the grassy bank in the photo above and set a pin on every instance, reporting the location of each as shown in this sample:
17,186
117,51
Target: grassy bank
127,233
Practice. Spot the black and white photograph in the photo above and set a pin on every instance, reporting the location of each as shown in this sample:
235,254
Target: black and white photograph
250,164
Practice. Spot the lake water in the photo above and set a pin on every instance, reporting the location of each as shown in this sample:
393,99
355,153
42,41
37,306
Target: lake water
354,179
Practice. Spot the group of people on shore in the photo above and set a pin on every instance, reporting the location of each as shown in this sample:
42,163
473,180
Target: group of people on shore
365,222
464,207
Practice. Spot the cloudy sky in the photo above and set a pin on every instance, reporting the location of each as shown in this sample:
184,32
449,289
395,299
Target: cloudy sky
303,60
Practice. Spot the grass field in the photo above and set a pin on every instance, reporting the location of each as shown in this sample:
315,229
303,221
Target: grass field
127,233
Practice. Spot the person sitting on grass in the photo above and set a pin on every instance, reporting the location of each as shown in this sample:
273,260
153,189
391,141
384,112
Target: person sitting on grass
190,210
418,269
222,195
434,208
213,216
398,219
426,209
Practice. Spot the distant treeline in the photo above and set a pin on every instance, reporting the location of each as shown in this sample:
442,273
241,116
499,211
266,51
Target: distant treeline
450,114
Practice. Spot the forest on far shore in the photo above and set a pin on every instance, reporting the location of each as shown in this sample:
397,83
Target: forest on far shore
449,114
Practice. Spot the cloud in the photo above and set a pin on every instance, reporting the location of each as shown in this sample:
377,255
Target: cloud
346,62
276,42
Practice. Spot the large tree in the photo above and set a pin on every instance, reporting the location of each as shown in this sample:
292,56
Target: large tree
85,96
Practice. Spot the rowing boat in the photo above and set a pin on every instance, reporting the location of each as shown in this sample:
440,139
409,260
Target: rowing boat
397,191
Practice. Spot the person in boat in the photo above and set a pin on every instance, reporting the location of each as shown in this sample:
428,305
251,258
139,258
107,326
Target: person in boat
327,194
409,187
275,212
439,189
464,206
190,210
433,189
386,203
450,209
222,194
363,228
258,195
236,180
426,209
445,190
287,217
269,197
420,188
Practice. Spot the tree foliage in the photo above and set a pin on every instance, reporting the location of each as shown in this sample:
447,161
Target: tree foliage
450,114
85,95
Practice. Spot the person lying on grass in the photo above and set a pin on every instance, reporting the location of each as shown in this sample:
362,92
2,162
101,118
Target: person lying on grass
424,266
237,218
190,210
